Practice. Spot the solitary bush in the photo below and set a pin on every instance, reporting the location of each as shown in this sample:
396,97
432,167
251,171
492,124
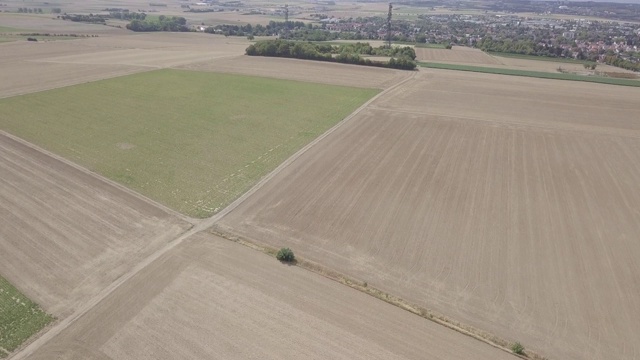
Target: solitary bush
286,255
517,348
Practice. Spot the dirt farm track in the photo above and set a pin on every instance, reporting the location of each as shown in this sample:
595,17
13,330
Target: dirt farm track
509,204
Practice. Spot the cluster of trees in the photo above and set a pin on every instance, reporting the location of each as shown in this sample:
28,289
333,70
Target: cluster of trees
30,10
163,23
621,63
323,52
127,15
94,19
406,52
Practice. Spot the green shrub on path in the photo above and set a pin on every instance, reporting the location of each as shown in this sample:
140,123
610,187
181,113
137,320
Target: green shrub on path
517,348
285,255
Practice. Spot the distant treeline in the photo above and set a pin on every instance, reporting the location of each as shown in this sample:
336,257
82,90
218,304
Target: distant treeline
93,19
163,23
294,30
621,63
348,53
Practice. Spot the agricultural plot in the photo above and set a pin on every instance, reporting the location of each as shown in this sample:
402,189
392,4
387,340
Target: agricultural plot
19,318
29,67
211,298
66,234
507,203
304,70
457,54
192,140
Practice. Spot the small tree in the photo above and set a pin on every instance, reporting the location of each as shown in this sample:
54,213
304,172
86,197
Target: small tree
285,255
517,348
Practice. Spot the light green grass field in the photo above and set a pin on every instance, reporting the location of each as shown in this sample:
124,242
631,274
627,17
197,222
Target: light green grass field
194,141
19,318
536,74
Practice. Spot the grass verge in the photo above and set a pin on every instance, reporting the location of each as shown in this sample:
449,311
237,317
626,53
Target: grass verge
193,141
366,288
535,74
19,318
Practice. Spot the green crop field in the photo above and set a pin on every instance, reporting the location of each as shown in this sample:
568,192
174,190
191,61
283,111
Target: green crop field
19,318
536,74
194,141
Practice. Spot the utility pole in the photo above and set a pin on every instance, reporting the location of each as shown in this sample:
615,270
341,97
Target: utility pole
286,21
389,26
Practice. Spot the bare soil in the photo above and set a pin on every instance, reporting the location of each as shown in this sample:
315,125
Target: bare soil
510,204
304,70
211,298
457,54
28,67
66,234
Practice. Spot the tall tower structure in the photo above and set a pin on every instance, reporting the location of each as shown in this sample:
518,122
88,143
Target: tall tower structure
389,26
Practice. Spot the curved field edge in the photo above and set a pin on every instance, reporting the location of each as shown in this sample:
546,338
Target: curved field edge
364,287
20,318
193,141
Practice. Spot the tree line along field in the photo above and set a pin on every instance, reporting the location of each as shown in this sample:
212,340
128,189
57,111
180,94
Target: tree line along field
19,318
192,140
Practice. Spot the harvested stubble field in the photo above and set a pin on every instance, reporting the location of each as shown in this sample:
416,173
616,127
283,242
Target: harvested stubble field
458,54
211,298
304,70
510,204
19,318
27,67
194,141
65,234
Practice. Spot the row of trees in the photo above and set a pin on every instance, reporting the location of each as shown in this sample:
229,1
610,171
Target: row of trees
163,23
30,10
127,15
93,19
621,63
324,52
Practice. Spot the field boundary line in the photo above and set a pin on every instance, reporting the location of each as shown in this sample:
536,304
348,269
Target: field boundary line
306,148
86,171
137,70
363,287
197,226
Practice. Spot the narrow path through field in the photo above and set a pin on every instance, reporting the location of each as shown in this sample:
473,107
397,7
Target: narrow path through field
198,226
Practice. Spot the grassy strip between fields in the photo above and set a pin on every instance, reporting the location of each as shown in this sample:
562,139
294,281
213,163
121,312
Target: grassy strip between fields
364,287
194,141
19,318
535,74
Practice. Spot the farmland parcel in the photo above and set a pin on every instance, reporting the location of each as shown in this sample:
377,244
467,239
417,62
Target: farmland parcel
191,140
19,318
508,203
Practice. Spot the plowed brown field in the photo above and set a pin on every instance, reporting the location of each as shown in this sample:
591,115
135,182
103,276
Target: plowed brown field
457,54
511,204
304,70
210,298
66,234
27,67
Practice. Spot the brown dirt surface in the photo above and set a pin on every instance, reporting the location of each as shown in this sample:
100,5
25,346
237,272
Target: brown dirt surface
28,67
458,54
212,298
552,66
507,203
65,233
304,70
